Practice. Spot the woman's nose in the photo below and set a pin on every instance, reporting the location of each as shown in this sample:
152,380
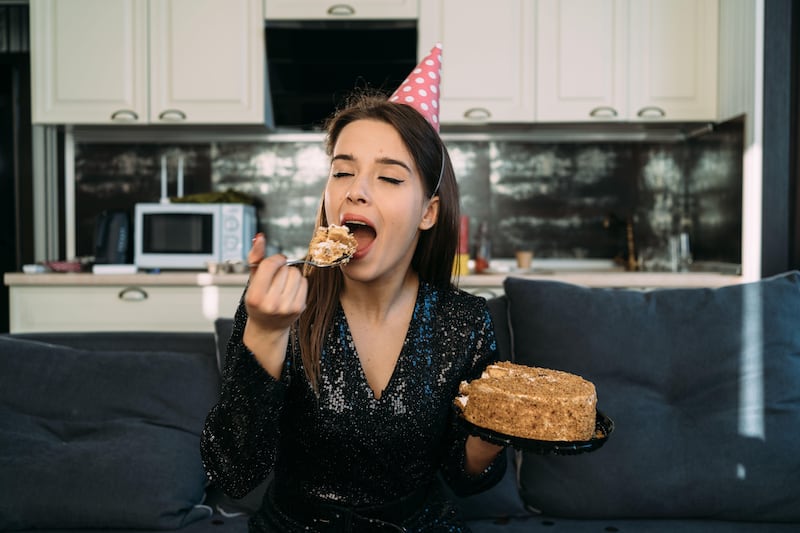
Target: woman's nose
358,192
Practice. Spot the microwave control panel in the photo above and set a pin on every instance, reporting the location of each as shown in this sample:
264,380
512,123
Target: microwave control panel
238,228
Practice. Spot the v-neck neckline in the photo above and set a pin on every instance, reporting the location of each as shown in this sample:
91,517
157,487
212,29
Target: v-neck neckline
400,357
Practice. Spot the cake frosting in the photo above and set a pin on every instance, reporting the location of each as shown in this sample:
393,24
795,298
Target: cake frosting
530,402
332,244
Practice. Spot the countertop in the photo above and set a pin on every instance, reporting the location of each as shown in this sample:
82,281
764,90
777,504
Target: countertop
589,278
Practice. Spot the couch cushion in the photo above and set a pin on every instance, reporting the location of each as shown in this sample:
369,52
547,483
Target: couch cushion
499,502
101,439
218,500
704,388
548,524
223,327
141,341
214,524
498,309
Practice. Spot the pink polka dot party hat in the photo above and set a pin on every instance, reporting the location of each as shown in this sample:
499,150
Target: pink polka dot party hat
420,89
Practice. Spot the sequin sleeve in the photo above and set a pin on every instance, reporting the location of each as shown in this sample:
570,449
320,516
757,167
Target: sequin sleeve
483,351
239,441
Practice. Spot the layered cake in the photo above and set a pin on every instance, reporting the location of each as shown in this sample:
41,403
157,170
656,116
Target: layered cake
530,402
334,244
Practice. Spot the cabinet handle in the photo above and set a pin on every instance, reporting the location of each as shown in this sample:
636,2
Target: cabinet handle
603,111
175,115
132,294
124,114
477,113
651,111
341,10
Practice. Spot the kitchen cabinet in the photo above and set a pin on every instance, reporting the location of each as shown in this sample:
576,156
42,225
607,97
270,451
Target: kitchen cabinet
147,62
581,60
673,59
738,56
329,9
88,73
626,60
488,58
191,301
66,306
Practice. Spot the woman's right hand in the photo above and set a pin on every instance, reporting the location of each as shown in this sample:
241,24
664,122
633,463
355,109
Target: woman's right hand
275,298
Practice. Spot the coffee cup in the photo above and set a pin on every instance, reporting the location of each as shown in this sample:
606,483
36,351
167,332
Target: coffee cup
524,259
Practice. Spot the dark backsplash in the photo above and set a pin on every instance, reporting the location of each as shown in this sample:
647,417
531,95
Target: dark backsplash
554,198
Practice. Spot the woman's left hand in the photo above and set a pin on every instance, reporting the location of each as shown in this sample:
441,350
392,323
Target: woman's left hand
480,454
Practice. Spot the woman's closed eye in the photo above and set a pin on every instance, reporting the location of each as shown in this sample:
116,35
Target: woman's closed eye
387,179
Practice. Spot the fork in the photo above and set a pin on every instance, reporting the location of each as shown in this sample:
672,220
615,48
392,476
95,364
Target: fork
299,262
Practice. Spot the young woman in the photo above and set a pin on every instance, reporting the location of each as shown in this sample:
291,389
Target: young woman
341,380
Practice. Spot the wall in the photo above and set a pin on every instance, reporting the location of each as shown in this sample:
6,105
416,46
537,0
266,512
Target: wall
561,199
16,226
780,232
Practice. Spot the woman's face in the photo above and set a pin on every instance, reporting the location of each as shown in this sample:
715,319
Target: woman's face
374,187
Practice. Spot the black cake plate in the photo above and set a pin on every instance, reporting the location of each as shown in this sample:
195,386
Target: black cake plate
604,426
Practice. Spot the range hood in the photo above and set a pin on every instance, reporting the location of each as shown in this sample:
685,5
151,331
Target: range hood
314,65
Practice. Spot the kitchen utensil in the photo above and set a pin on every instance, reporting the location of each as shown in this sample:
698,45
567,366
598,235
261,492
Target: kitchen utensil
298,262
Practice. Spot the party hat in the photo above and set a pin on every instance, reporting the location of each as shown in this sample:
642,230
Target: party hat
420,89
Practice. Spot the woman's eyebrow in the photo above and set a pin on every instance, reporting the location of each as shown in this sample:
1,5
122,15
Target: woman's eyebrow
342,157
390,161
380,160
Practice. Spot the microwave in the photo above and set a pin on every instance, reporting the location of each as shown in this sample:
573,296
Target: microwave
189,236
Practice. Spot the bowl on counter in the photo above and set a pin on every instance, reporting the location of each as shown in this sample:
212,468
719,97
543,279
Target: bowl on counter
75,265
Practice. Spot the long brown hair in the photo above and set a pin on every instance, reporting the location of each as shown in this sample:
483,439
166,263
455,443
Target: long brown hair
435,253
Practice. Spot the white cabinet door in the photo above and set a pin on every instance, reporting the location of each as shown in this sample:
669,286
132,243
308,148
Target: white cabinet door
673,59
581,60
331,9
737,61
640,60
88,61
206,62
107,62
119,308
488,67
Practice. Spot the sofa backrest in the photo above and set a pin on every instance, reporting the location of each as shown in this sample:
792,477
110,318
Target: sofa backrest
498,308
184,342
702,384
102,430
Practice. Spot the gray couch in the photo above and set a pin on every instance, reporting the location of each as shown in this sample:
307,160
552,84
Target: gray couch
99,431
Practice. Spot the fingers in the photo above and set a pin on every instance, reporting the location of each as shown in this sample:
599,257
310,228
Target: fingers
257,250
285,284
277,293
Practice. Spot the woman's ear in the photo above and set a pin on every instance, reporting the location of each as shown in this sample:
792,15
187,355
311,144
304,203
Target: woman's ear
431,214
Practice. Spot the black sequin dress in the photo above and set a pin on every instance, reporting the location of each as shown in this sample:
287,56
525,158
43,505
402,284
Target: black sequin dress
343,445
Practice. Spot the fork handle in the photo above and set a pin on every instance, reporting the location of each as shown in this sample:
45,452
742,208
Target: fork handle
293,262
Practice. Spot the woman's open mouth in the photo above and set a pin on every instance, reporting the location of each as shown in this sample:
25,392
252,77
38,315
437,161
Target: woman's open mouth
364,233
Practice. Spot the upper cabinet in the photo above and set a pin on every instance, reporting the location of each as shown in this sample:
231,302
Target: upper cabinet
673,59
639,60
488,63
147,62
207,61
88,73
328,9
581,60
